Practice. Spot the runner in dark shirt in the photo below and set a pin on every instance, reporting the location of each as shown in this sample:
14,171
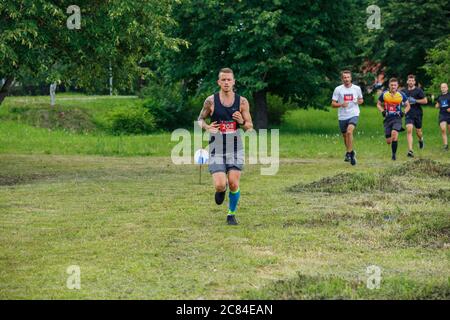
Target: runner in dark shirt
228,111
413,118
443,103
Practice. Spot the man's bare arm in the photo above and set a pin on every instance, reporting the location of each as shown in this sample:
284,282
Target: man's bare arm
408,107
379,106
205,113
422,101
336,104
244,117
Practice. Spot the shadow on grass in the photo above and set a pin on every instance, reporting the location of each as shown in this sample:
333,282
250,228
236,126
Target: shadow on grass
11,179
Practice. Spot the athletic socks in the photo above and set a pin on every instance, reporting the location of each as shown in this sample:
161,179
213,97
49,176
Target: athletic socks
394,146
234,199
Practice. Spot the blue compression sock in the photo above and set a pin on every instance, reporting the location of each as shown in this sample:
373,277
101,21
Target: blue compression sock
234,199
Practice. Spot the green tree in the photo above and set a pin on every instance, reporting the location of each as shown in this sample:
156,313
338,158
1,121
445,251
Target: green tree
285,47
34,37
409,29
438,65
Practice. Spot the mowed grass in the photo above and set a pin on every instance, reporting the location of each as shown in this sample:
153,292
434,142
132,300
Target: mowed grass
139,226
142,227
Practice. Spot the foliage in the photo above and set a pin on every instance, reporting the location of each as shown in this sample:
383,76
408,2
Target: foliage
131,121
438,65
277,107
170,108
409,29
284,47
34,40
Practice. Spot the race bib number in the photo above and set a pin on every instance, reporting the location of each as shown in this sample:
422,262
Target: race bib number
227,126
391,108
348,97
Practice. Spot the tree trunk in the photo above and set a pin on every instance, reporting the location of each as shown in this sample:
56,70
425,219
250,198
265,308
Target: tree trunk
261,117
5,88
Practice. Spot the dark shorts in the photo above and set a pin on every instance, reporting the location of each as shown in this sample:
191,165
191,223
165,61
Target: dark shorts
392,123
225,163
226,153
343,124
444,117
414,118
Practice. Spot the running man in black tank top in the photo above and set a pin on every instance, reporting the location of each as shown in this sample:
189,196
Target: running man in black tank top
228,112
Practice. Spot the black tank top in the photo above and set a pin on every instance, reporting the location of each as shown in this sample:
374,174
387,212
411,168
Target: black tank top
228,136
224,115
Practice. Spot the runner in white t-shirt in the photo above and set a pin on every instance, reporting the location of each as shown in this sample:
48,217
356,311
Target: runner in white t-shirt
347,97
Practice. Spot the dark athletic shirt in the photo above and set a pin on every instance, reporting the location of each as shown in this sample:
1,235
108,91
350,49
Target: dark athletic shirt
224,115
444,103
416,93
228,135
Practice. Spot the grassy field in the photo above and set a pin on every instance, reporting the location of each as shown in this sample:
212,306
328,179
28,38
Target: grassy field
28,127
141,227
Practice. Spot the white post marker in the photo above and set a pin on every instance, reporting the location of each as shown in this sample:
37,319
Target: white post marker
201,157
53,94
110,79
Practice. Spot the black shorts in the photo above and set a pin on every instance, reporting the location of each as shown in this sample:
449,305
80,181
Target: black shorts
414,118
225,163
444,117
392,123
343,124
226,153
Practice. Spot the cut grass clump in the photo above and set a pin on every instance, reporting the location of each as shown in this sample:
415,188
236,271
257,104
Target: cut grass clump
305,287
423,167
425,229
384,181
345,182
440,194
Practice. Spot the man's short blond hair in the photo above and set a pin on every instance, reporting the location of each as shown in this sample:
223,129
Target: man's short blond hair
226,70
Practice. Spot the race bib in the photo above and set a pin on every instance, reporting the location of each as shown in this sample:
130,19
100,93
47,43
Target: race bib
390,107
227,126
348,97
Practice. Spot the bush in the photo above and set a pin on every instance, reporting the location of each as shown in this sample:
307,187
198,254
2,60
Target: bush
277,108
437,65
170,109
136,120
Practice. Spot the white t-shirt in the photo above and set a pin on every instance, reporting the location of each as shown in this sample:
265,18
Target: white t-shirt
351,95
